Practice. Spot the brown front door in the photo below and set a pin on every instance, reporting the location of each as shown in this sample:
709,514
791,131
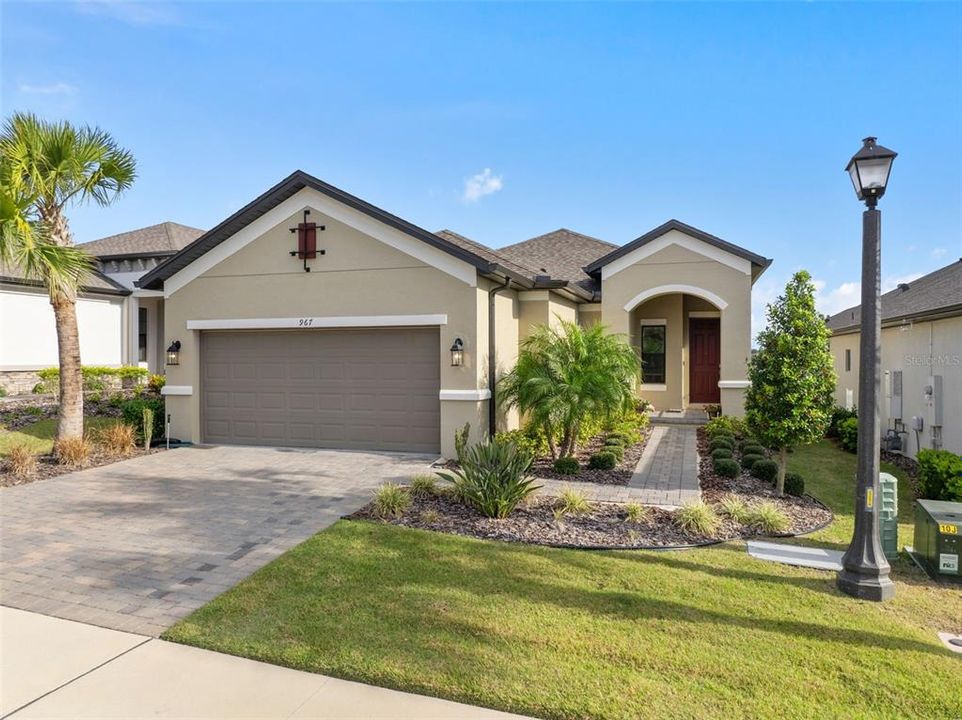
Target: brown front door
704,357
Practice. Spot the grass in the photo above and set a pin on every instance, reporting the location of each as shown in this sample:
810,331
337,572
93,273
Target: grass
38,436
573,634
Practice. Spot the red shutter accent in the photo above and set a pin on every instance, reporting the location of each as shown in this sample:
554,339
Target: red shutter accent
307,241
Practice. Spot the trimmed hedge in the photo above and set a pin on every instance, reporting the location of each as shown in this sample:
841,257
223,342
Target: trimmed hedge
753,450
132,412
746,442
765,470
794,484
726,467
749,460
940,475
603,460
721,442
721,453
95,377
566,466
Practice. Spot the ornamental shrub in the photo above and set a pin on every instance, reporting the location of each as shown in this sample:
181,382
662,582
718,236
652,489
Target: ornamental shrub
839,415
848,434
566,465
766,470
132,412
604,460
533,446
725,425
720,453
768,518
794,484
698,518
749,460
746,442
391,500
493,478
940,475
753,450
622,437
721,442
726,467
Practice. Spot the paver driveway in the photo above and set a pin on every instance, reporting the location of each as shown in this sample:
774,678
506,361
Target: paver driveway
139,544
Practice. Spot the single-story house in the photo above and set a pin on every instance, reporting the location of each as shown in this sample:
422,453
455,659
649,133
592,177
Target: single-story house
921,360
313,318
118,323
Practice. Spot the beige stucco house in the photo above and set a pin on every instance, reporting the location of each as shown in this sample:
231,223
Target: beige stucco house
921,360
345,335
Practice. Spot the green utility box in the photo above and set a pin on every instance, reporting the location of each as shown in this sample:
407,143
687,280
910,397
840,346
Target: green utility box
888,491
938,539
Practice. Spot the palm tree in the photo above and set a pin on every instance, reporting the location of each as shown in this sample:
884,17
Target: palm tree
569,375
45,167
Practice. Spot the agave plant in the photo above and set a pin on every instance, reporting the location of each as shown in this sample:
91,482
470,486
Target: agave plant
493,478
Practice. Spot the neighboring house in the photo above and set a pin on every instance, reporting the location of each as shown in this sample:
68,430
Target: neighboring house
921,360
362,351
118,323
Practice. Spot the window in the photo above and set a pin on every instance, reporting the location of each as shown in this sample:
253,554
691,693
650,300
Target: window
653,354
848,360
141,334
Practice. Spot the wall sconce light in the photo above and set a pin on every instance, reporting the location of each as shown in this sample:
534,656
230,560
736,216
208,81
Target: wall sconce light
173,353
457,353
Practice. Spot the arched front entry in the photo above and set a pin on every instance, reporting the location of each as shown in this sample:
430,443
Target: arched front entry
678,331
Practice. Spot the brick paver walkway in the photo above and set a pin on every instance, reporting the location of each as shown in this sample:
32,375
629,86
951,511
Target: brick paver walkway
139,544
666,474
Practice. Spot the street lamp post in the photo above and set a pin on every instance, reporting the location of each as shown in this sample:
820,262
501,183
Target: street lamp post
865,571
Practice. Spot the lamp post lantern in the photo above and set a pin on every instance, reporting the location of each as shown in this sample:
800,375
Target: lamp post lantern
865,571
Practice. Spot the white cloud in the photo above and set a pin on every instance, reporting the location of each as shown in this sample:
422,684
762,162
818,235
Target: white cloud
57,88
132,12
939,252
838,298
477,186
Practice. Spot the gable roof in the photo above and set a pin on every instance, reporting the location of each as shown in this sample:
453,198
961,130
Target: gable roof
562,254
755,259
286,188
492,256
94,283
939,292
165,238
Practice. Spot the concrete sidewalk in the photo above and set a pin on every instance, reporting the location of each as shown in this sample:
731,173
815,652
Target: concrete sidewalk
53,668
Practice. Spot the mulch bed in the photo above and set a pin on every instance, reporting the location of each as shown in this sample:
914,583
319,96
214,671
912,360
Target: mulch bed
618,475
48,467
805,513
19,412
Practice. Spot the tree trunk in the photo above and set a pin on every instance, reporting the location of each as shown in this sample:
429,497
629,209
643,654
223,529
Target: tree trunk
551,444
70,423
71,416
780,479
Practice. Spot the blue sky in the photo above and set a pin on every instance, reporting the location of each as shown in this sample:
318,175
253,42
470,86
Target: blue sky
504,121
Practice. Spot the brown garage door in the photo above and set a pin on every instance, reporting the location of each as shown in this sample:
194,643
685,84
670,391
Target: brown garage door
354,389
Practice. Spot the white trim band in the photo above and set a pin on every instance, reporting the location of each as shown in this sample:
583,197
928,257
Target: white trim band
177,390
306,323
734,384
475,395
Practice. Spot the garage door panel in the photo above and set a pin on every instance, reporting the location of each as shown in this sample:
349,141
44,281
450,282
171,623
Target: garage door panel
371,389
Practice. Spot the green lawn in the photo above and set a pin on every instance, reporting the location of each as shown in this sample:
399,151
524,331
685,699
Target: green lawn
39,435
573,634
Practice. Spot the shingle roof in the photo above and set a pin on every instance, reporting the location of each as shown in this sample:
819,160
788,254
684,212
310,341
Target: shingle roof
165,238
494,256
95,282
939,291
678,225
562,254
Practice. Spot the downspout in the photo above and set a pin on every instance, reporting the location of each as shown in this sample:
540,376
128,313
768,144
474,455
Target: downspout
492,366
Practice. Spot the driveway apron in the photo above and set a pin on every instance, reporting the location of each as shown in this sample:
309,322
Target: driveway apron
139,544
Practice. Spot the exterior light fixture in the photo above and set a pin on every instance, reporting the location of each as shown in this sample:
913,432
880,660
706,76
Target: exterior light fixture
457,353
869,169
865,571
173,353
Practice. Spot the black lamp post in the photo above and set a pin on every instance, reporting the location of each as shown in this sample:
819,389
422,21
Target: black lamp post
865,571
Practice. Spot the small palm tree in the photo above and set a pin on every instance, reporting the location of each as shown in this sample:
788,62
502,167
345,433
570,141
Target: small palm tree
568,375
44,167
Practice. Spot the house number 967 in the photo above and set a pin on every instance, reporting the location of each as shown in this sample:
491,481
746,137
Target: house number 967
305,322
